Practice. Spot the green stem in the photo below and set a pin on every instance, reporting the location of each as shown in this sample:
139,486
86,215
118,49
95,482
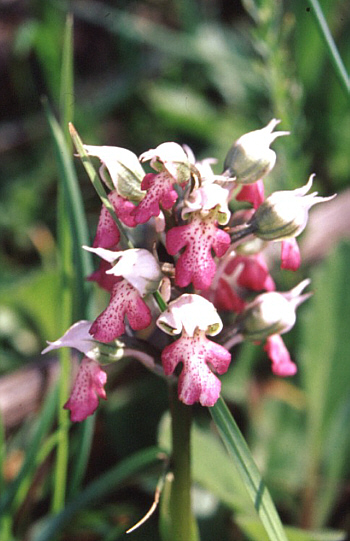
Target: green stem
182,525
331,46
60,476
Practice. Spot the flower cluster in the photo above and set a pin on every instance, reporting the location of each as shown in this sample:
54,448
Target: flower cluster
215,264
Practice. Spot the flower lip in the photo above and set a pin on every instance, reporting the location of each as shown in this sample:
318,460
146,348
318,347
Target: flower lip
188,313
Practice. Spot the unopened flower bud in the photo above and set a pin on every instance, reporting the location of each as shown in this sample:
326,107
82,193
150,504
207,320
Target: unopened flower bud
124,168
271,313
284,214
250,158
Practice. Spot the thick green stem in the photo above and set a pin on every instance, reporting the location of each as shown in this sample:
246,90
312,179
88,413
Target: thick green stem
181,525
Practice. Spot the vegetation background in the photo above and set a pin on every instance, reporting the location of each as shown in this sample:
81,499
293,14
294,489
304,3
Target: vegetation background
200,72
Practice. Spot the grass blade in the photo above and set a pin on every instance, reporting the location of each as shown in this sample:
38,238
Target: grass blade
333,52
244,462
78,226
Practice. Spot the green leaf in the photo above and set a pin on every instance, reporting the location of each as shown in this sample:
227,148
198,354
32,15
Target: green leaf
255,531
78,226
244,462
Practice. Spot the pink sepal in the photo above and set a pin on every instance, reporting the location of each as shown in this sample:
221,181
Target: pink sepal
107,234
125,301
254,276
282,365
106,281
196,263
197,383
88,386
252,193
290,255
160,191
227,298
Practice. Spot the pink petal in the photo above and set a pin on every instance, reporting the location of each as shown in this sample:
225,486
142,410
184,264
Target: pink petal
88,386
125,301
252,193
197,383
282,365
290,255
160,191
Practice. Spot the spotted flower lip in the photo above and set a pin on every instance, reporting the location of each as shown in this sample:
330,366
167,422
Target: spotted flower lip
160,192
284,215
88,386
188,313
250,158
199,357
137,265
199,237
124,168
169,157
125,302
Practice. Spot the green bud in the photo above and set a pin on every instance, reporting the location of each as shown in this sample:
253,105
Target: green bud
250,158
284,215
271,313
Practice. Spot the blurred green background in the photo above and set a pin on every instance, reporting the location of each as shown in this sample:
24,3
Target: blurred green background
199,72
